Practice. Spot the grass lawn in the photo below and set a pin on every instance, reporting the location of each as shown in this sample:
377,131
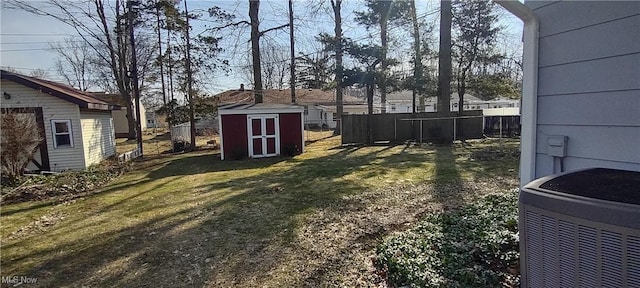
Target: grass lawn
191,220
156,141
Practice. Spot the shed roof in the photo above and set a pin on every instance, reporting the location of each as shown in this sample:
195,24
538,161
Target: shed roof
64,92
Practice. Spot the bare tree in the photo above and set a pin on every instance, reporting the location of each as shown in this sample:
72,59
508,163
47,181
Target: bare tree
39,73
292,76
274,66
254,9
103,28
74,63
336,5
256,34
20,140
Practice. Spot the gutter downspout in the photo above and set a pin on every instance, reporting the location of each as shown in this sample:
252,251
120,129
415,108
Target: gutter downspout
529,107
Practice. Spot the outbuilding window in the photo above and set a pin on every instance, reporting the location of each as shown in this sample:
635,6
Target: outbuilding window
62,135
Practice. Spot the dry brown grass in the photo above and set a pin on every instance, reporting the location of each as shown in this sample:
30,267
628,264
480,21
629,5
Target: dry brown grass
156,142
191,220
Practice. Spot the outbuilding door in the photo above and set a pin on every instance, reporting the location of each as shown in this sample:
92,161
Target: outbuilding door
264,135
40,160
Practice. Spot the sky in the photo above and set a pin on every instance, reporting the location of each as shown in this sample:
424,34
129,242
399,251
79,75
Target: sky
25,38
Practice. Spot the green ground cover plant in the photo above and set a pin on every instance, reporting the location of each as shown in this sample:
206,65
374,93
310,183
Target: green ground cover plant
472,246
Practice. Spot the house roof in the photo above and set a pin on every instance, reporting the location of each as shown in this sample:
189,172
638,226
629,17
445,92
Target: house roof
303,96
246,108
64,92
112,98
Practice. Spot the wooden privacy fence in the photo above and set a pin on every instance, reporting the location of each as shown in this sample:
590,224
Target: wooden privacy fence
399,127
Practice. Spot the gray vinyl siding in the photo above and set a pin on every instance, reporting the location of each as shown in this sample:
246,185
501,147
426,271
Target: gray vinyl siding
589,83
53,108
98,136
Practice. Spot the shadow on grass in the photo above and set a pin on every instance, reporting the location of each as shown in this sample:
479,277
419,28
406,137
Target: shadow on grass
12,210
447,178
222,233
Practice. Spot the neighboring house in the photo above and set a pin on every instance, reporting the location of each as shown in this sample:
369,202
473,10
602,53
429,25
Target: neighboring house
120,121
581,86
319,116
402,102
78,128
155,120
320,104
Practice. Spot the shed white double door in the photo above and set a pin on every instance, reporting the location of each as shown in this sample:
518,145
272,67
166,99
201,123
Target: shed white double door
263,135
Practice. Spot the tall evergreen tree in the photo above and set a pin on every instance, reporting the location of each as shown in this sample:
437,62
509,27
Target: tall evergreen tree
315,70
476,31
379,14
336,6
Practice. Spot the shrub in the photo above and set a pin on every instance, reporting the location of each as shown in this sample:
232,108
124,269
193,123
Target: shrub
180,145
475,246
290,150
239,153
63,185
19,141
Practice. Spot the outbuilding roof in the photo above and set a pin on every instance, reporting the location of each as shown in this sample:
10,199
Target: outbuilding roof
64,92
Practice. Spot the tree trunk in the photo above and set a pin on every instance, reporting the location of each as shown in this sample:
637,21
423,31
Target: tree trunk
370,88
444,82
462,88
134,76
189,83
164,94
336,5
417,61
254,6
293,54
117,60
170,111
382,83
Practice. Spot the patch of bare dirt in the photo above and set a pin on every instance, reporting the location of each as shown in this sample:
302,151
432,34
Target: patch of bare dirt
38,226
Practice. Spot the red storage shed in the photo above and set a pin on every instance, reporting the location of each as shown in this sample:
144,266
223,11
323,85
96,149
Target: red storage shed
260,130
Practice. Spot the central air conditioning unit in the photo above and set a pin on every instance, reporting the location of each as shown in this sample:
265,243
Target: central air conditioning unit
581,229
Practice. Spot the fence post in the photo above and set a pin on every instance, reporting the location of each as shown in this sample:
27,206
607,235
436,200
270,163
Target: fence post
500,131
420,131
455,132
395,129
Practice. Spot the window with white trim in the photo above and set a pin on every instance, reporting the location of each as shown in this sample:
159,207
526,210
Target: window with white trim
62,135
